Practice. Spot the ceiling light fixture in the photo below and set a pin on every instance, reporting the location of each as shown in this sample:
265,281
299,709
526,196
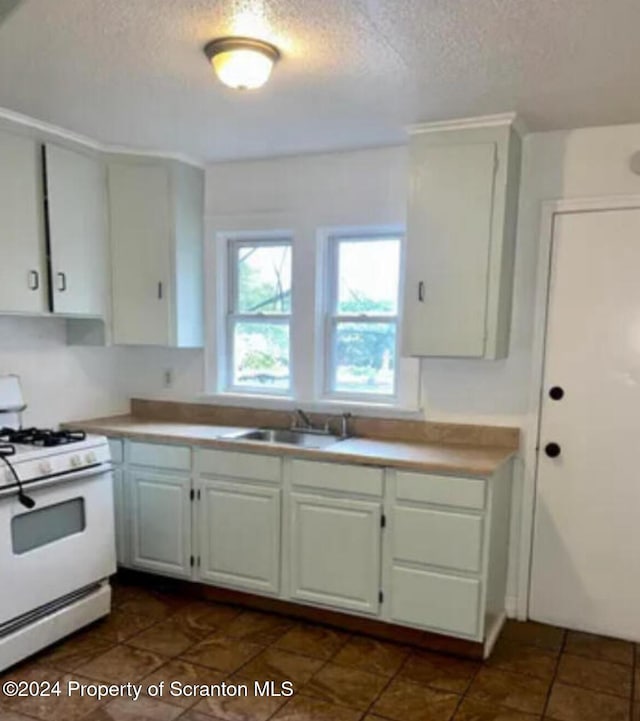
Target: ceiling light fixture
242,63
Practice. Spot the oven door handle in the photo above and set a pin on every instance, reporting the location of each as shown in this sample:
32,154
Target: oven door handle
80,475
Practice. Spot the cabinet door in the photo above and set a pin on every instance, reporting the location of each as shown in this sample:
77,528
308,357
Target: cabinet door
436,601
22,271
160,522
120,507
239,534
335,552
140,229
449,231
77,206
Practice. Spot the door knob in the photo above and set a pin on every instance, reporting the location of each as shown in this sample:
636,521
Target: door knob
556,393
552,450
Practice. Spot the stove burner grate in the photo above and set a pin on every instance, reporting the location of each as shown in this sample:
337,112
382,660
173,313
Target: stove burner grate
40,436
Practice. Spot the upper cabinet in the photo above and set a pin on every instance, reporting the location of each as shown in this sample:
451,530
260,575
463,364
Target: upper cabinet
461,225
156,211
76,192
52,229
23,271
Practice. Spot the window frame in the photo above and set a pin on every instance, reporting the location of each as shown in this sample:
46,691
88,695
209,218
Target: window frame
234,242
331,318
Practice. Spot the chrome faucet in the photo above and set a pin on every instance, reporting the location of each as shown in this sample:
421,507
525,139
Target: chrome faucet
304,418
344,425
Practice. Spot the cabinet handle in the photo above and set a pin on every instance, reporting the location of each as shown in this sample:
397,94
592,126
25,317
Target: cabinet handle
421,291
160,290
62,285
34,280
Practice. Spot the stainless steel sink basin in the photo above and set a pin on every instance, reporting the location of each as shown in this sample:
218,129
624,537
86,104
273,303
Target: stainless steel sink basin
290,438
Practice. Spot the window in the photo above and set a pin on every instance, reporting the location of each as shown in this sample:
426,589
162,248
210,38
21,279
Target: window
362,316
259,316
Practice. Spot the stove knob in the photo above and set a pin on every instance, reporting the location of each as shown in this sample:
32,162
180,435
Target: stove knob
45,467
91,457
75,461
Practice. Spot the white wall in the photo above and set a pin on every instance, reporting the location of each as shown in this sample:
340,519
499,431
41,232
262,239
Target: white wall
59,383
360,188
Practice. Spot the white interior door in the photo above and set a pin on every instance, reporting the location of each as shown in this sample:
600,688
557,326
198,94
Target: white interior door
586,553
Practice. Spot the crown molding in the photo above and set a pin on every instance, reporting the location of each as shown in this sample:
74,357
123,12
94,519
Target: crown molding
480,121
55,131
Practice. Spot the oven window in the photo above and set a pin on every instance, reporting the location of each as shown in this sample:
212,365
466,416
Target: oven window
45,525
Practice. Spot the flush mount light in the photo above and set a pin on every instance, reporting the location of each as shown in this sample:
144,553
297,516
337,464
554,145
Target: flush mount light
242,63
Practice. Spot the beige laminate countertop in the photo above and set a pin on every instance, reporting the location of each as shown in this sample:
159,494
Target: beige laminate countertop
474,460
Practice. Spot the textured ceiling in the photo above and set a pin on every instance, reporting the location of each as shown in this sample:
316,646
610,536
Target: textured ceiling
354,72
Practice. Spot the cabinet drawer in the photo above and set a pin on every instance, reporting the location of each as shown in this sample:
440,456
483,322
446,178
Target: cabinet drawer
175,458
227,464
115,448
337,477
437,538
441,490
433,600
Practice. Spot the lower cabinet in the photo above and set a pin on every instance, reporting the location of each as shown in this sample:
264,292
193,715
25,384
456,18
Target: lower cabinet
413,549
119,509
239,535
160,516
334,548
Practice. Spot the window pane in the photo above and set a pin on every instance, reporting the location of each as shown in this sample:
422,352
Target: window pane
263,279
364,358
368,274
261,355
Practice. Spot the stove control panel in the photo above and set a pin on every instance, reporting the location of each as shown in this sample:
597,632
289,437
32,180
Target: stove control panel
35,464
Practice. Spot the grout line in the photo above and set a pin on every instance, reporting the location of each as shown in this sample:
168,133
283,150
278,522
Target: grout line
563,646
634,668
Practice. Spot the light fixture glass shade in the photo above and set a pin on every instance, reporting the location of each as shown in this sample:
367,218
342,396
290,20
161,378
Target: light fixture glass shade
242,69
242,63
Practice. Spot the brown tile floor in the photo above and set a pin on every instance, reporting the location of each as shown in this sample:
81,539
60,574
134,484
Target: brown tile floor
536,672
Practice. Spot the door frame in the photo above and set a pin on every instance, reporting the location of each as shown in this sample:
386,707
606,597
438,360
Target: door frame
550,209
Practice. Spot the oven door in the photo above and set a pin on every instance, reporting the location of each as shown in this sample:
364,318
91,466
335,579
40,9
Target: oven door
63,544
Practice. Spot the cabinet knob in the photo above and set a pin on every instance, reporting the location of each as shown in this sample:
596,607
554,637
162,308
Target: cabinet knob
62,282
421,291
552,450
556,393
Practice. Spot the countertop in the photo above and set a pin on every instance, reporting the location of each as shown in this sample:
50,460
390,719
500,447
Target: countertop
468,460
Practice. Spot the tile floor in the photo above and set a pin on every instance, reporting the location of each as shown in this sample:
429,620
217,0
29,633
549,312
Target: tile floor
535,672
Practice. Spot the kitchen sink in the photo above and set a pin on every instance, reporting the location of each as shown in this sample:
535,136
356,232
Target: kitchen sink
289,438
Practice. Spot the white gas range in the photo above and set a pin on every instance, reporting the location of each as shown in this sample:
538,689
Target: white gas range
57,547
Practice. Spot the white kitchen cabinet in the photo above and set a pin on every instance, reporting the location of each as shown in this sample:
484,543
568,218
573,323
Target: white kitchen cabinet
239,535
76,193
421,550
156,211
445,553
461,225
120,507
120,502
23,271
160,511
334,547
